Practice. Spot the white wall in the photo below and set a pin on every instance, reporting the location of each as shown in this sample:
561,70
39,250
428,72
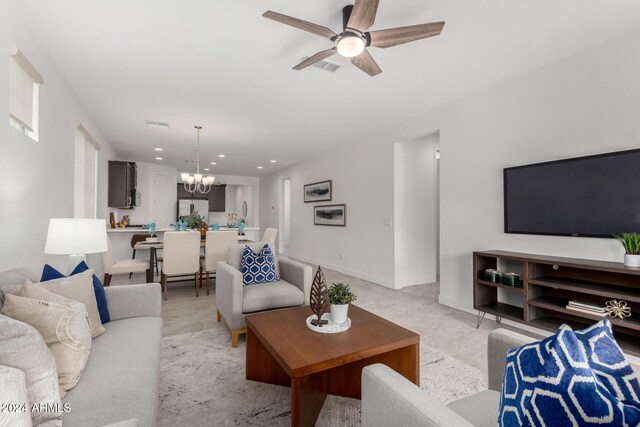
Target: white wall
36,178
586,104
143,214
364,186
414,211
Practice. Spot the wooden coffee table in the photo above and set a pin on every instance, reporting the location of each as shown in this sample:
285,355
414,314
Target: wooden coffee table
281,350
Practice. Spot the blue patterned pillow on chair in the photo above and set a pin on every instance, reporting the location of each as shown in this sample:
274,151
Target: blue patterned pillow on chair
551,383
258,267
609,362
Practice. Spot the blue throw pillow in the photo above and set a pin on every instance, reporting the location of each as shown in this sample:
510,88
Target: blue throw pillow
609,362
50,273
551,383
258,267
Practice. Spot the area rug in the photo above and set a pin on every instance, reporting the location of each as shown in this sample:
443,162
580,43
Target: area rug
202,384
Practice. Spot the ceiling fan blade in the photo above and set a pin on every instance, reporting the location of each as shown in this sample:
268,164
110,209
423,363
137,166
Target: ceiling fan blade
363,14
315,58
366,63
401,35
316,29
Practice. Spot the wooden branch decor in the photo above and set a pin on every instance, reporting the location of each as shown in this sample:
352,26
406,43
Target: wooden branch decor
319,299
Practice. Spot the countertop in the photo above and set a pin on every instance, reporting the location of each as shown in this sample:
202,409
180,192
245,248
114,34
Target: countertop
162,230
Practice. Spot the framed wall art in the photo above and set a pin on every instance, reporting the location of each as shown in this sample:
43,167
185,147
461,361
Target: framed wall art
318,192
335,215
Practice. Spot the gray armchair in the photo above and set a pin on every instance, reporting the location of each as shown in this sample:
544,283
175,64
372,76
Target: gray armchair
235,300
390,399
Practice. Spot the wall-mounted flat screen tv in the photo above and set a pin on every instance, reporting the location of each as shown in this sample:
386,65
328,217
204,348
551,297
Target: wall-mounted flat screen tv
594,196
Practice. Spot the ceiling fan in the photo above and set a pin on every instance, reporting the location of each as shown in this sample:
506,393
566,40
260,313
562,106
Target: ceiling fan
354,38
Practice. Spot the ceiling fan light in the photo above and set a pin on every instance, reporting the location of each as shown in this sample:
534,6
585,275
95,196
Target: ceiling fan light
350,46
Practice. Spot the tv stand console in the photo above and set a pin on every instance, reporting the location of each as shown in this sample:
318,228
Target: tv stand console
549,283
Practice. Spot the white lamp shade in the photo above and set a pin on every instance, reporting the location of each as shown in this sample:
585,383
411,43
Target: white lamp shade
198,177
76,236
185,177
190,180
210,180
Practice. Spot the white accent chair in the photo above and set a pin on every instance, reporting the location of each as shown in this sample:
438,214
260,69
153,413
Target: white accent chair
269,237
181,257
127,266
216,249
234,300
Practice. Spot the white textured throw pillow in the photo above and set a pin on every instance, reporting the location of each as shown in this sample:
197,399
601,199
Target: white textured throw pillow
23,348
79,287
13,394
63,324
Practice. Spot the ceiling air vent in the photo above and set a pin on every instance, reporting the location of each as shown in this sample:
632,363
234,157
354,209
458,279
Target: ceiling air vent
157,125
324,65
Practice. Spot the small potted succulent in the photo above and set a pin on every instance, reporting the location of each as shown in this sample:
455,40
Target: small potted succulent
340,296
631,244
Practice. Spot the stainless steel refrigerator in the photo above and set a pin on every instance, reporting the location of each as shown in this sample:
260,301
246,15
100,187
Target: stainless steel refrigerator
186,206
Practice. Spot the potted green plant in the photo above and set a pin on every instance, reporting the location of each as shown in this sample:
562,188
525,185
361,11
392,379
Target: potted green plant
631,244
340,296
196,222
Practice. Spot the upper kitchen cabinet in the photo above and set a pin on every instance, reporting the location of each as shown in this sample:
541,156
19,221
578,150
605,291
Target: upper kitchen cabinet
123,181
217,198
184,194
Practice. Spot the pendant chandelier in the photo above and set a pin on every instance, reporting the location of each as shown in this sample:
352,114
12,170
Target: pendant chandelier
197,182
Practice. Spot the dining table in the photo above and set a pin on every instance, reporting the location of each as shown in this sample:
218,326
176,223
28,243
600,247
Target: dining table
154,246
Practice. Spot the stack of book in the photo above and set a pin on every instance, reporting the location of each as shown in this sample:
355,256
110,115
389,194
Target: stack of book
587,307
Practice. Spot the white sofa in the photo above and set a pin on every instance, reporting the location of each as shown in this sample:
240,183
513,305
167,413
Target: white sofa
119,386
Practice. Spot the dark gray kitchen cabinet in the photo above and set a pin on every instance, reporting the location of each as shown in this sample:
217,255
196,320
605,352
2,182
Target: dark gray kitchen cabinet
123,182
217,198
184,194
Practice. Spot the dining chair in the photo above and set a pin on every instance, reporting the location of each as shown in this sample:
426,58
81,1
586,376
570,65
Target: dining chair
181,257
269,237
127,266
137,238
215,249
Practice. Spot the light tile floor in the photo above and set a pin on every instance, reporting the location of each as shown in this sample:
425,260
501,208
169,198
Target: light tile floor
416,307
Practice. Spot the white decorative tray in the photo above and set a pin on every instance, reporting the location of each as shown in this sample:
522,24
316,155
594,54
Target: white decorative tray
329,328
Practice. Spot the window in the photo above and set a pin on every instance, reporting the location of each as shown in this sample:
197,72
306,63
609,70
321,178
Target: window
24,92
85,179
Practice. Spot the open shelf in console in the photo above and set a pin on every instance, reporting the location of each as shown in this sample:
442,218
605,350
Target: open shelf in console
549,283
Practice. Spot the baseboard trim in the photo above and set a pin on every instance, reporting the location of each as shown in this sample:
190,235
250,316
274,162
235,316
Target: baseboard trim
412,281
344,270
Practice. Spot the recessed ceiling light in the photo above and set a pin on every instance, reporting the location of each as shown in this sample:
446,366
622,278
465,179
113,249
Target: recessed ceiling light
221,155
157,125
273,161
206,169
213,163
159,148
158,158
259,167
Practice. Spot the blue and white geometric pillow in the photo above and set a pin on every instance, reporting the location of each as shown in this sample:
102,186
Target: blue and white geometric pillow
550,383
609,362
258,267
